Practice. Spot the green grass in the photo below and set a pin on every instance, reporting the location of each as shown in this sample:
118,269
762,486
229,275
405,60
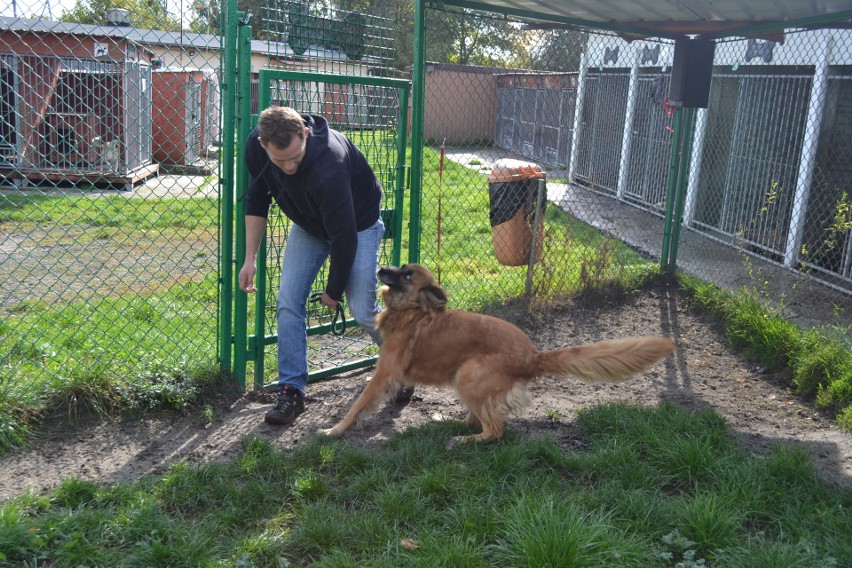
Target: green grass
106,356
653,487
107,211
819,359
123,340
576,256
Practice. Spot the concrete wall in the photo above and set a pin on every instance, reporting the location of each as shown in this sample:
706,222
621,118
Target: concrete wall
473,92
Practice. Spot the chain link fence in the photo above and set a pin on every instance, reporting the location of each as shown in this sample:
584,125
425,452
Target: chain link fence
767,204
109,207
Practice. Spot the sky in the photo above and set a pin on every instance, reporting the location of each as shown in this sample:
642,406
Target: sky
53,9
50,9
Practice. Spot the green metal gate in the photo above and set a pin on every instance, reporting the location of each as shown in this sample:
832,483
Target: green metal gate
373,113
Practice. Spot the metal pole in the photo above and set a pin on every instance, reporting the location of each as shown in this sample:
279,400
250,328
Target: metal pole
578,116
399,195
683,182
627,132
699,134
804,179
674,167
242,125
539,202
417,110
226,184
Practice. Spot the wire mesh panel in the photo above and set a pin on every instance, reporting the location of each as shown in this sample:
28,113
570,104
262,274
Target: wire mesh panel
535,115
826,239
764,139
765,197
499,112
349,49
649,145
378,141
109,223
774,154
601,128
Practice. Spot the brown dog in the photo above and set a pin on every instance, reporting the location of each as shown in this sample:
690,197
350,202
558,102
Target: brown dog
489,361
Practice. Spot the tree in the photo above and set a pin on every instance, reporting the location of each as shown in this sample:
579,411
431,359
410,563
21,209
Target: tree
557,50
453,35
144,14
209,20
470,38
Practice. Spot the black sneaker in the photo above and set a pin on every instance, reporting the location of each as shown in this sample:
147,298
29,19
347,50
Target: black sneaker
291,403
403,395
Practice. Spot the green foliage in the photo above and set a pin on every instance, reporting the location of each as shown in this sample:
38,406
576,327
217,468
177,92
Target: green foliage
515,502
539,531
461,37
709,520
680,551
144,14
556,50
822,365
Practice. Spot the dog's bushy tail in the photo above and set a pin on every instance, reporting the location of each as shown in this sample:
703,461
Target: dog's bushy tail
605,361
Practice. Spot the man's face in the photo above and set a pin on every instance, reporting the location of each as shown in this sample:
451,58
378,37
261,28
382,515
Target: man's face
289,158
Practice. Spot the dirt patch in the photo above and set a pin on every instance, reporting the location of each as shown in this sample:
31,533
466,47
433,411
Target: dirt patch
704,373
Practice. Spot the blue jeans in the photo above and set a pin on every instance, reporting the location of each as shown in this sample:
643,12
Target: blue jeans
304,255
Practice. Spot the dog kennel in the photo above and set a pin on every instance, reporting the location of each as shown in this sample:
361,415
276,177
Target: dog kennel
74,108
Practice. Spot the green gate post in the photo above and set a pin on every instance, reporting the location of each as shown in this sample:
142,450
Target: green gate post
242,125
399,199
226,184
683,185
678,181
417,110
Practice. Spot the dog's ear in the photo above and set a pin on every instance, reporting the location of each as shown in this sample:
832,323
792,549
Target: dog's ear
433,298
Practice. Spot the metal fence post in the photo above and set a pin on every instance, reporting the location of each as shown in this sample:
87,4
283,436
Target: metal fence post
816,109
417,113
228,89
242,123
671,190
682,183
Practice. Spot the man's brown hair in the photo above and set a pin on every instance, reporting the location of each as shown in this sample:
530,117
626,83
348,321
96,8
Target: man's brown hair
278,125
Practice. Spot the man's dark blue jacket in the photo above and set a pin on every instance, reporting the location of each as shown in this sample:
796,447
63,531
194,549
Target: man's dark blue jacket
333,194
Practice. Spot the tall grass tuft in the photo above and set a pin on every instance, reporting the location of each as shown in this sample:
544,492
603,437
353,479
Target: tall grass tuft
540,531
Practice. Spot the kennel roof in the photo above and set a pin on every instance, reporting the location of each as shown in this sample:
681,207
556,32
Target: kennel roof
675,18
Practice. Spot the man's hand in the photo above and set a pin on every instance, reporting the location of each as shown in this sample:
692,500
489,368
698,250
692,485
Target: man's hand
247,278
326,300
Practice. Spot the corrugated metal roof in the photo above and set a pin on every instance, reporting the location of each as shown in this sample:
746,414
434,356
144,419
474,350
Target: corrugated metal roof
673,18
156,37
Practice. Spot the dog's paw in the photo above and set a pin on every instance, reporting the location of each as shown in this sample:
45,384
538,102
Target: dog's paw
454,441
331,432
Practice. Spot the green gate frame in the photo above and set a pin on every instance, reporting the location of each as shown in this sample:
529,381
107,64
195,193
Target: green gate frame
251,347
